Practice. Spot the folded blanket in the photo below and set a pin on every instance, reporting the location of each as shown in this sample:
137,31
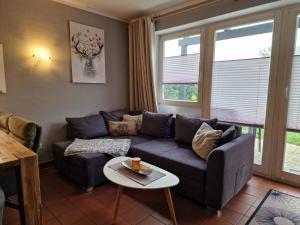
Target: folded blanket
114,147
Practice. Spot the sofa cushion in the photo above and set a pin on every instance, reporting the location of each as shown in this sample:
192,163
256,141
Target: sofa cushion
171,156
87,127
205,140
224,126
136,112
118,128
138,119
135,140
156,124
116,115
186,128
227,136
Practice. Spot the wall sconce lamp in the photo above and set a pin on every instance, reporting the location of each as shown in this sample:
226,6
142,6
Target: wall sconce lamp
41,55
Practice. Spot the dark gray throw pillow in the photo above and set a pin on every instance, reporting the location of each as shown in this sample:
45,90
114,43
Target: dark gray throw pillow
156,124
225,125
186,128
227,136
87,127
116,115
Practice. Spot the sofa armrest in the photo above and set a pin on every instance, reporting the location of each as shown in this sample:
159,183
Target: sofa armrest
229,168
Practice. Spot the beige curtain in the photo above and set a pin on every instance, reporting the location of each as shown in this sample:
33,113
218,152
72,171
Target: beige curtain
141,83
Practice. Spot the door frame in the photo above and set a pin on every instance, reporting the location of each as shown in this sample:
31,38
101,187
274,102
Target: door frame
274,15
287,47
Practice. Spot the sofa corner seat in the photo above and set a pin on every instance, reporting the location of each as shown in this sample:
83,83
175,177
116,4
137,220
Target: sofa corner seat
211,183
86,169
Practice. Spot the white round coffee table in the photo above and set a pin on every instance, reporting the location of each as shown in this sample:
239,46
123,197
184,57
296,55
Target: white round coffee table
169,180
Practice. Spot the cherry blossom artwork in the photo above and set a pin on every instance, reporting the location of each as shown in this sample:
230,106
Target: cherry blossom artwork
87,54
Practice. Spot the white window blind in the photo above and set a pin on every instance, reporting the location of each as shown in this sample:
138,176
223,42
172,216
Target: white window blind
239,90
181,60
181,69
241,71
294,97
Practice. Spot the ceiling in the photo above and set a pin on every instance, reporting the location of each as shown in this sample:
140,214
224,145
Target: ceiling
125,9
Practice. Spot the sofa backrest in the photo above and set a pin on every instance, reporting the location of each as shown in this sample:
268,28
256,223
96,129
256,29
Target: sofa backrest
172,127
24,131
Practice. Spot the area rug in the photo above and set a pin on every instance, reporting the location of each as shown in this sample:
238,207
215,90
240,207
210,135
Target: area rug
277,208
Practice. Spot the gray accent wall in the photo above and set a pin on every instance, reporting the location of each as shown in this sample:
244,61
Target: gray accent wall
220,8
45,94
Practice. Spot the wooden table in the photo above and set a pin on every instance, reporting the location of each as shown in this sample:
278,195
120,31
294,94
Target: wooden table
14,155
164,183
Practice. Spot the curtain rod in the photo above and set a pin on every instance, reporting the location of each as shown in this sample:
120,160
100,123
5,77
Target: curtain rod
184,9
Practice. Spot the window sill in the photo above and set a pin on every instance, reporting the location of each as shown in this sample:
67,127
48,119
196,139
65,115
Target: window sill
180,103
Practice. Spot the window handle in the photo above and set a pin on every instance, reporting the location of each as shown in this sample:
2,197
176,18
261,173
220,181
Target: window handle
287,92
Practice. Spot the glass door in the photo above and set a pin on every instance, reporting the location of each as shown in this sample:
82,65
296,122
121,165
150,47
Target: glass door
240,79
292,141
290,162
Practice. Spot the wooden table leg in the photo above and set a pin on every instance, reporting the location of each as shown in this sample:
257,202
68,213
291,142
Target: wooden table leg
117,203
20,195
30,188
170,205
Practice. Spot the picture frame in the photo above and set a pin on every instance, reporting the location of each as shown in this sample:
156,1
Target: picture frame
87,53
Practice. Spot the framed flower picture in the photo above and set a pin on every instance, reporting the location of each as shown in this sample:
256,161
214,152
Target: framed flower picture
2,73
87,53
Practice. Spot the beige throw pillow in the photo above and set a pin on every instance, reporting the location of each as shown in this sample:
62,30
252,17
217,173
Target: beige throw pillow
122,128
137,119
205,139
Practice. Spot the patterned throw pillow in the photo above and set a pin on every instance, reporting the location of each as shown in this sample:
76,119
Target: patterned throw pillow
138,119
116,115
205,140
122,128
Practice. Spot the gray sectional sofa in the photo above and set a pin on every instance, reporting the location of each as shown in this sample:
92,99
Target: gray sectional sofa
211,183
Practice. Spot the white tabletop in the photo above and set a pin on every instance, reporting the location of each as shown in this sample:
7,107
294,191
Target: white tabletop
167,181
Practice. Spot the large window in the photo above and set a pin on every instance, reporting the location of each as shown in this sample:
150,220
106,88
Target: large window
180,69
240,77
246,71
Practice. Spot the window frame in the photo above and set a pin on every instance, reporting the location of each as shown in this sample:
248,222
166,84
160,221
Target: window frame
280,76
170,36
205,80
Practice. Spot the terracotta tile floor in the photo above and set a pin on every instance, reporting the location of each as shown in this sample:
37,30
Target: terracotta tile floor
65,204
